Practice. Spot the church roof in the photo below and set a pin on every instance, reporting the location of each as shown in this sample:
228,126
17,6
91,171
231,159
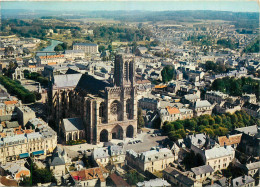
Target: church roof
73,124
68,80
91,84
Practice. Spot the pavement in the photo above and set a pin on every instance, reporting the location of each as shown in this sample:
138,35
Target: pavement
147,143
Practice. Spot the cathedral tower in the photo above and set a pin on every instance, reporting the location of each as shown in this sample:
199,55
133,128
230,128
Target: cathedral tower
124,70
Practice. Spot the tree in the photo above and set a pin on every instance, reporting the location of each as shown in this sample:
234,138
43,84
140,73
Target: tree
168,74
140,119
58,48
101,48
132,177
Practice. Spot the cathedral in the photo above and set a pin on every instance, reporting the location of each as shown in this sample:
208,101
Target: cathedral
107,110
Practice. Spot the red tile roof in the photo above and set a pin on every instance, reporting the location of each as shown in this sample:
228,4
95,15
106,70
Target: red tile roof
51,56
233,139
173,110
10,102
88,174
118,181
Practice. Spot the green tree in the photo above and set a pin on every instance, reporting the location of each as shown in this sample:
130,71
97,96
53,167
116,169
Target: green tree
168,74
140,119
132,177
58,48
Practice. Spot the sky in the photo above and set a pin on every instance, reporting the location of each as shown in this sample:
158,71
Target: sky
145,5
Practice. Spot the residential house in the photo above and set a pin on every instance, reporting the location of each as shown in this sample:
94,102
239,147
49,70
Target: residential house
178,178
88,48
202,107
218,157
252,109
89,177
215,96
252,169
153,182
153,160
243,181
250,140
15,170
232,140
101,156
117,154
201,173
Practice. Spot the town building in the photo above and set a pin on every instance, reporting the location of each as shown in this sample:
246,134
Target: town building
89,177
201,173
250,141
153,182
252,109
15,170
232,140
215,96
243,181
101,156
218,157
178,178
23,145
24,114
202,107
74,54
153,160
88,48
50,59
252,169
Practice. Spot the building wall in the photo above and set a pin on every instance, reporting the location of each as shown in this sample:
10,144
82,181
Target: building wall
58,170
158,165
220,163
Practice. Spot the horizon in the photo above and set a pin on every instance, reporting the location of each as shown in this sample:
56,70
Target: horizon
240,6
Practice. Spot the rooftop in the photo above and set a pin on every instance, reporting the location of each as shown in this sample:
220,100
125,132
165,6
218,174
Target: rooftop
154,182
88,174
86,44
217,152
229,140
202,170
73,124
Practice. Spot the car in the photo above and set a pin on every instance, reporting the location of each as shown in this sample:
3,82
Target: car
120,144
152,135
159,134
130,143
80,152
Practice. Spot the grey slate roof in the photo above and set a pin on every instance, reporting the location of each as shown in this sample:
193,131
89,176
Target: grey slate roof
250,129
217,152
57,160
202,103
12,124
179,176
68,80
92,85
202,170
254,165
191,97
241,181
100,153
85,44
73,124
